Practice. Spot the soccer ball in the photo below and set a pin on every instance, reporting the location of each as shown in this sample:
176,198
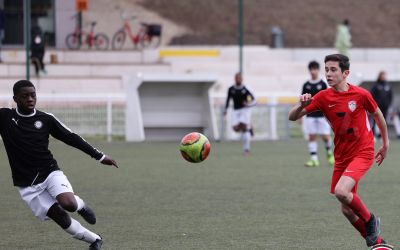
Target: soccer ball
382,247
195,147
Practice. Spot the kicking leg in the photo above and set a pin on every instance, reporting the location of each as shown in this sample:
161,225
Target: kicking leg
73,203
71,226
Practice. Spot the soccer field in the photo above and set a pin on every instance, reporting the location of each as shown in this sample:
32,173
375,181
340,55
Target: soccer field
156,200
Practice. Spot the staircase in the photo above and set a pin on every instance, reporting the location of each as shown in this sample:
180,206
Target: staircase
266,71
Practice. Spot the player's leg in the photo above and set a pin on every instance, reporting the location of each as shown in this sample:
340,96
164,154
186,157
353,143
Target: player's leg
235,121
357,223
356,220
73,203
310,127
324,129
245,121
64,199
71,226
35,63
351,201
345,192
313,151
61,189
236,128
246,137
326,138
44,206
251,130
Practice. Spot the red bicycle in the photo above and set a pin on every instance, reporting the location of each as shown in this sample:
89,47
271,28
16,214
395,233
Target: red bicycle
98,40
149,35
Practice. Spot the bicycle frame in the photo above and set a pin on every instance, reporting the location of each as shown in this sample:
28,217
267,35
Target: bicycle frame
89,36
135,38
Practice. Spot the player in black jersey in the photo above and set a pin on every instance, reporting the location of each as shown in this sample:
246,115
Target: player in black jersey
41,184
315,123
243,100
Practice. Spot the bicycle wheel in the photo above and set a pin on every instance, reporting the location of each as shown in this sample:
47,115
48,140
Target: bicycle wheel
148,41
101,41
72,41
118,39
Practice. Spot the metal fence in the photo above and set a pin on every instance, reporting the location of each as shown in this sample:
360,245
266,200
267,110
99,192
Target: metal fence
104,115
87,115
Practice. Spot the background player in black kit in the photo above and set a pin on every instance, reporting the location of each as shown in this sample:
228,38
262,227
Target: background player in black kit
46,190
315,123
382,93
243,100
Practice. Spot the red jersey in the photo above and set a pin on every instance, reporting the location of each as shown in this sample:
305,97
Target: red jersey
347,114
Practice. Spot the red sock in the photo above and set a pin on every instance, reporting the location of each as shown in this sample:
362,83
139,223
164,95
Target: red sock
359,208
360,226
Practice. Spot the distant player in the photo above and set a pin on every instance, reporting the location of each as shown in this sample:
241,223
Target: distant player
346,106
315,122
41,183
383,95
243,100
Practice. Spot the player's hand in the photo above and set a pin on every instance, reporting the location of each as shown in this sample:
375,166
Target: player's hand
305,100
109,161
381,155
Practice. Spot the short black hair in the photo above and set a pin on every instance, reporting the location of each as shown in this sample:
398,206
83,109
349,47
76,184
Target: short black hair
21,84
344,62
313,65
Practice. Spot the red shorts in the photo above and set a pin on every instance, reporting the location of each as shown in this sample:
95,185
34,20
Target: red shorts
354,168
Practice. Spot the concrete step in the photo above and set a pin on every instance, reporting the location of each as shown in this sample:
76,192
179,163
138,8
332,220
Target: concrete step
70,85
84,70
251,54
87,56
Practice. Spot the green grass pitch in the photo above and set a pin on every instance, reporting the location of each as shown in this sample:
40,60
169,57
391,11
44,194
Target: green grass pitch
156,200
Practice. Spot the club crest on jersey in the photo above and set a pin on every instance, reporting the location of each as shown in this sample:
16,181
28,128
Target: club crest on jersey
38,124
352,105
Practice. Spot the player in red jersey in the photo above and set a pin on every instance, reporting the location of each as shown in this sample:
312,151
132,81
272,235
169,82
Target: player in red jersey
345,106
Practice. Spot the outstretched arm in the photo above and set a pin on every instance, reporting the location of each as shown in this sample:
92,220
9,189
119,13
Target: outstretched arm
61,132
298,110
380,121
